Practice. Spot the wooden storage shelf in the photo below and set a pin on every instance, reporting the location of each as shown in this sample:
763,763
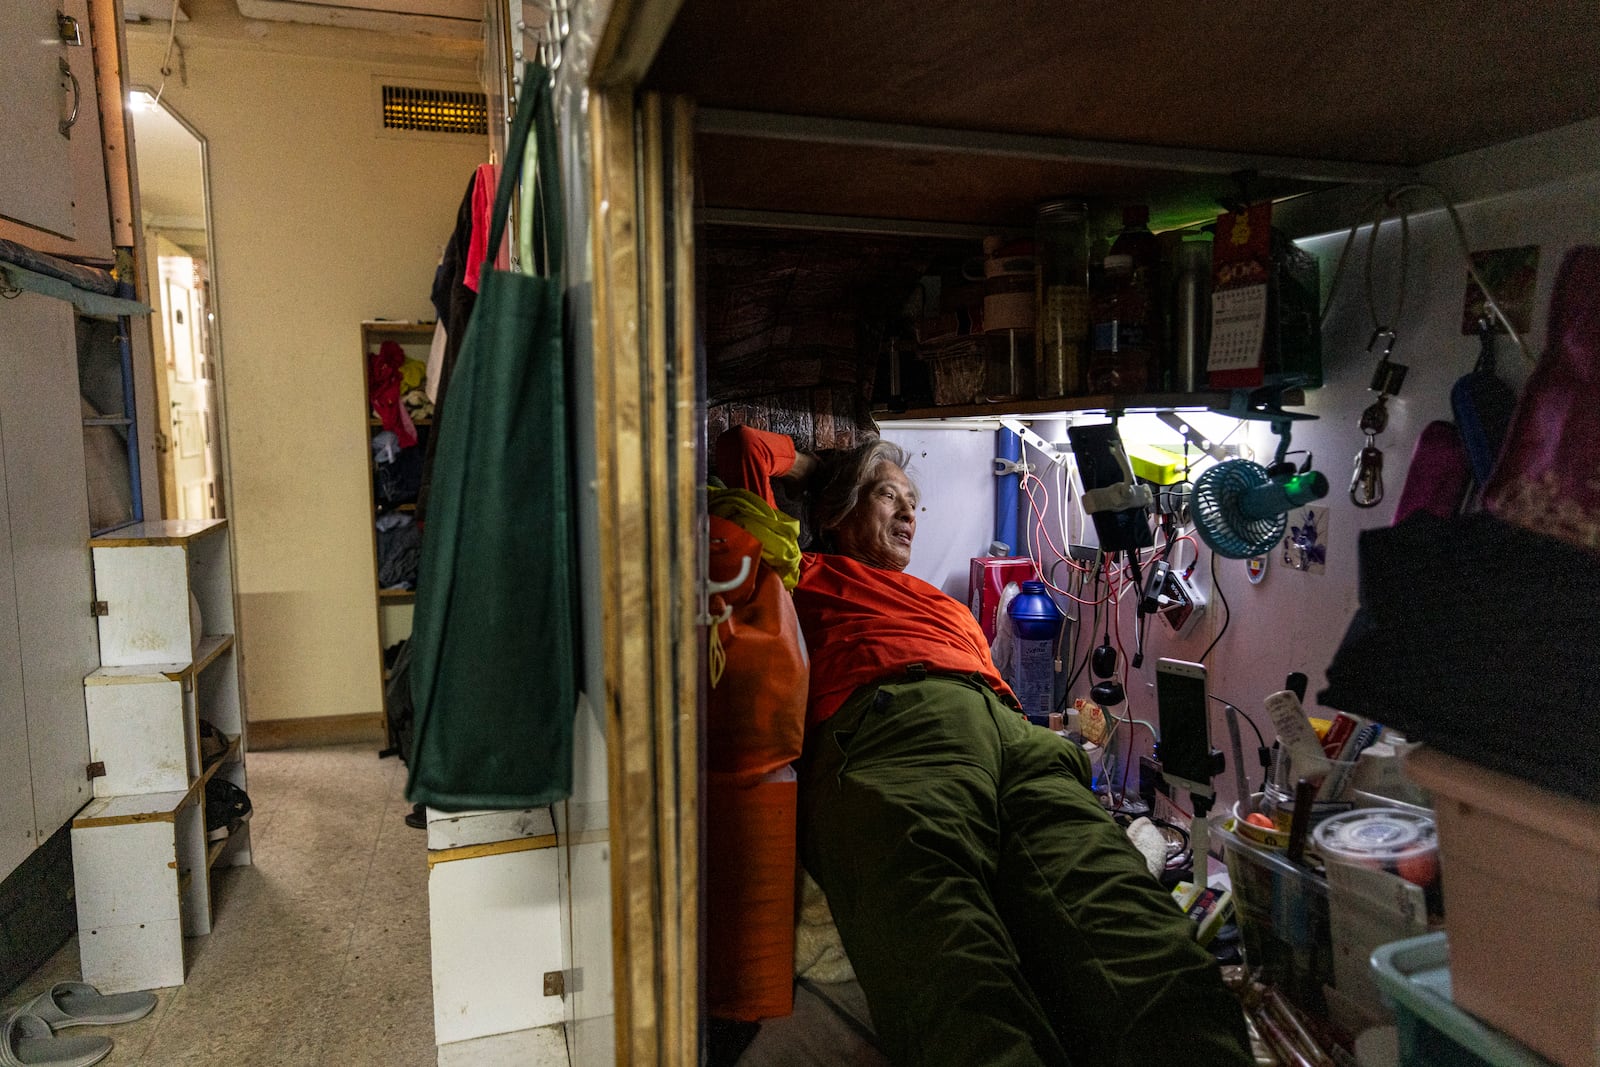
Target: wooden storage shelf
140,856
392,605
229,755
210,648
397,329
133,808
1064,405
159,532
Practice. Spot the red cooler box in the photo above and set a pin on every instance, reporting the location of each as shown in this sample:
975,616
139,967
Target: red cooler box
986,579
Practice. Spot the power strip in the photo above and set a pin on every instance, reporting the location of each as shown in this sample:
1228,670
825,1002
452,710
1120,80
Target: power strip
1185,604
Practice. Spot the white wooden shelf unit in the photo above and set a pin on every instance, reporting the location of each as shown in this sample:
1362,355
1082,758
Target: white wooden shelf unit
169,661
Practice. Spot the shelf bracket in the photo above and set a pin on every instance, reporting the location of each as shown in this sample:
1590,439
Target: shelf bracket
1027,434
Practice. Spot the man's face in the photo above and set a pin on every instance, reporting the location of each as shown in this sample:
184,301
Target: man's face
878,531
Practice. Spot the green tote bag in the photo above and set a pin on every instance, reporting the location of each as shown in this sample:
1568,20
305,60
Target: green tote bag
493,636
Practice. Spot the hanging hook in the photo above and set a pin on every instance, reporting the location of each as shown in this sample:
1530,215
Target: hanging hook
1486,335
1366,484
714,588
1389,340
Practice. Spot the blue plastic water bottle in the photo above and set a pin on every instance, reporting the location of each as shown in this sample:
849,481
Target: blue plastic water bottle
1036,625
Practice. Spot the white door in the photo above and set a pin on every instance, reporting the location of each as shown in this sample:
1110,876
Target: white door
37,96
193,431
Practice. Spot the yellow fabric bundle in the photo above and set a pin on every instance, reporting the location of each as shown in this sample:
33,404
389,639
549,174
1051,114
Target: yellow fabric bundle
778,533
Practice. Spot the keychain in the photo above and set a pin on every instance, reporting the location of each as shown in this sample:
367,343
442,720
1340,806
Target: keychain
1366,483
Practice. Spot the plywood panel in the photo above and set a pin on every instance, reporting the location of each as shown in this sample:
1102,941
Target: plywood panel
926,186
1366,80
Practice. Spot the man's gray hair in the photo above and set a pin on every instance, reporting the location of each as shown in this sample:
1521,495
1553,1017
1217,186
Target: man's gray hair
848,473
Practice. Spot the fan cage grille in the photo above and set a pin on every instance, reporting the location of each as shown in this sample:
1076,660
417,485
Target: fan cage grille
1218,519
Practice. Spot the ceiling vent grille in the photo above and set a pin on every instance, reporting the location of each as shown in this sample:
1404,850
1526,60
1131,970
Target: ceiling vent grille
435,110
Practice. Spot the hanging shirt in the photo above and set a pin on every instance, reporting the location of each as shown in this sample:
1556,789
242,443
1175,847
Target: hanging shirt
384,382
483,190
862,624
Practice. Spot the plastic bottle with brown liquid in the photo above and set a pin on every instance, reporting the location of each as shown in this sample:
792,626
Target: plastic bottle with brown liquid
1128,337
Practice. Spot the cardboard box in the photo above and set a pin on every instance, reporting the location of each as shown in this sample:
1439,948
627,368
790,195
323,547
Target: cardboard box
987,578
1521,869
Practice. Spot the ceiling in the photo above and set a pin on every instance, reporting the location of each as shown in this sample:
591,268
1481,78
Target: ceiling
1362,82
442,18
430,32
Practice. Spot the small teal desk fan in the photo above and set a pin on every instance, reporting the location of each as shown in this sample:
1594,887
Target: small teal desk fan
1239,509
1239,506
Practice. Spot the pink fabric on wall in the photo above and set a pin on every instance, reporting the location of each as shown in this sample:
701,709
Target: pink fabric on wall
1439,476
1545,479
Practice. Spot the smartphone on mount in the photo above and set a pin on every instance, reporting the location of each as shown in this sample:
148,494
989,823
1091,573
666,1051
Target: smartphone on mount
1185,747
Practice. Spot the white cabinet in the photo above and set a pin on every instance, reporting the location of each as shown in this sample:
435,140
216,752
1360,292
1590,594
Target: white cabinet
494,917
141,851
47,635
36,98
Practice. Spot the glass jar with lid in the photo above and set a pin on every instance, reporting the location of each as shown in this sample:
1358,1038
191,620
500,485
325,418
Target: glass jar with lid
1061,238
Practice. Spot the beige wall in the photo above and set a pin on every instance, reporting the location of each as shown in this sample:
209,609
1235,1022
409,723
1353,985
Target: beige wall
319,222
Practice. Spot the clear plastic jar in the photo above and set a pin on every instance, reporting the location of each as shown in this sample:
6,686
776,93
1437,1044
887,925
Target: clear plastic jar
1061,238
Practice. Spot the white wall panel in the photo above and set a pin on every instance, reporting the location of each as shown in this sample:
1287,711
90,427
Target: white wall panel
49,517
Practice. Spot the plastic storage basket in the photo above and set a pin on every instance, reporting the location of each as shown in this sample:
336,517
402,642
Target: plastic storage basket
1283,919
1414,976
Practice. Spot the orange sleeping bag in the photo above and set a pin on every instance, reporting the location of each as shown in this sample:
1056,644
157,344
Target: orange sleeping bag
755,728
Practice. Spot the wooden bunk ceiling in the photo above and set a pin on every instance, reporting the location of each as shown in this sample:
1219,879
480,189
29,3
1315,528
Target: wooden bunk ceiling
1362,81
749,174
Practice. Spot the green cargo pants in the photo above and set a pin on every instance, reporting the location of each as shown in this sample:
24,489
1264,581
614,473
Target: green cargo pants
994,912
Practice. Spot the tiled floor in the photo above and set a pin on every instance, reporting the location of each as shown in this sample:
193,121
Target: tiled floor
320,950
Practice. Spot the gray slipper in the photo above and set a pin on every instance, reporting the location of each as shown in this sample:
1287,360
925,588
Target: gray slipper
26,1041
77,1004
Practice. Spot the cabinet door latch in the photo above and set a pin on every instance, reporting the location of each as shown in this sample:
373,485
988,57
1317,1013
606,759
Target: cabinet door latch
555,983
99,609
97,769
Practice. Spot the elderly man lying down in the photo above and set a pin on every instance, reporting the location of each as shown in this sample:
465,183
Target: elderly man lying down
994,912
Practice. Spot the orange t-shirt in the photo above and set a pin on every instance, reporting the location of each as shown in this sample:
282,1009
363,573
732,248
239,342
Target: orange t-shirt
862,624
